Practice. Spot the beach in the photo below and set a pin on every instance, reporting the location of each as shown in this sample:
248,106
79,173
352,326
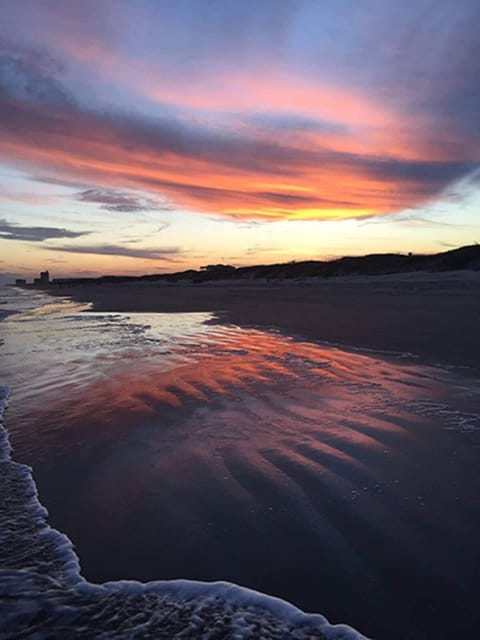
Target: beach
239,320
434,316
313,441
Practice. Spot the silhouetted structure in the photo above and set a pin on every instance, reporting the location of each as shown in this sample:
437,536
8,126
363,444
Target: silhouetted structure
20,281
43,279
467,257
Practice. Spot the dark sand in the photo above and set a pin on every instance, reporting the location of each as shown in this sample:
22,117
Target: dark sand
340,499
434,316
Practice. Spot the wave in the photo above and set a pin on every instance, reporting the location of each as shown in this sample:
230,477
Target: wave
42,591
62,307
22,305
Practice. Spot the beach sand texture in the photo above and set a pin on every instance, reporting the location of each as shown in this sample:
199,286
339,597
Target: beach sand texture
175,445
432,315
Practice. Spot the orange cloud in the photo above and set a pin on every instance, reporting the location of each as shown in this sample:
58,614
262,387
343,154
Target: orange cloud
202,169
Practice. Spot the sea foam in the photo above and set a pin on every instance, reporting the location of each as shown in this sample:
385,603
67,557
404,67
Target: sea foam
42,592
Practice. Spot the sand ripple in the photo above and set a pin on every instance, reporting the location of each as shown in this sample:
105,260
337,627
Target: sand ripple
215,452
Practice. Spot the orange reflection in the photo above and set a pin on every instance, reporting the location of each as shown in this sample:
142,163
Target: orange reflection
254,419
259,373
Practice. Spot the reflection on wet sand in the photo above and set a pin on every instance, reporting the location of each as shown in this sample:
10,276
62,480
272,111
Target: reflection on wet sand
303,471
299,379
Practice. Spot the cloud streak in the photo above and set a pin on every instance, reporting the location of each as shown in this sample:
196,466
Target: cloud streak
166,254
118,201
13,231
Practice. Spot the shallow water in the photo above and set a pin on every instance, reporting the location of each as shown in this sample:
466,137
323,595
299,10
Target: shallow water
166,446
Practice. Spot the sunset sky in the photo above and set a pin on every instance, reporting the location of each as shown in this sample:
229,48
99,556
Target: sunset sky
142,136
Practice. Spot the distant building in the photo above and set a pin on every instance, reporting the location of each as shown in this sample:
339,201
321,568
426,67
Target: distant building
20,281
43,279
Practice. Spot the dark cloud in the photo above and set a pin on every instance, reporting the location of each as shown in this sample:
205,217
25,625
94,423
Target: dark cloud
119,201
60,181
166,254
13,231
430,173
31,75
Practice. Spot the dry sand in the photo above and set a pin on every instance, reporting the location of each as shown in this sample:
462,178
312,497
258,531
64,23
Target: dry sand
433,316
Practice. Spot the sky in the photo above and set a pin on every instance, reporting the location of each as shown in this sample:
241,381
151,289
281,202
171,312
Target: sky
145,136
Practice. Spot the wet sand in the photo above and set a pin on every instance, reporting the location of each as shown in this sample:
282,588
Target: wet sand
343,482
337,481
433,316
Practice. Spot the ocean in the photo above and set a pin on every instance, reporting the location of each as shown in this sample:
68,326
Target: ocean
155,461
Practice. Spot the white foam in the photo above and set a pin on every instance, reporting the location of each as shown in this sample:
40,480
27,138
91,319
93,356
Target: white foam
41,573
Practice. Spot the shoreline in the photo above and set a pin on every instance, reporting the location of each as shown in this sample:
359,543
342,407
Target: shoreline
189,601
348,468
434,317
